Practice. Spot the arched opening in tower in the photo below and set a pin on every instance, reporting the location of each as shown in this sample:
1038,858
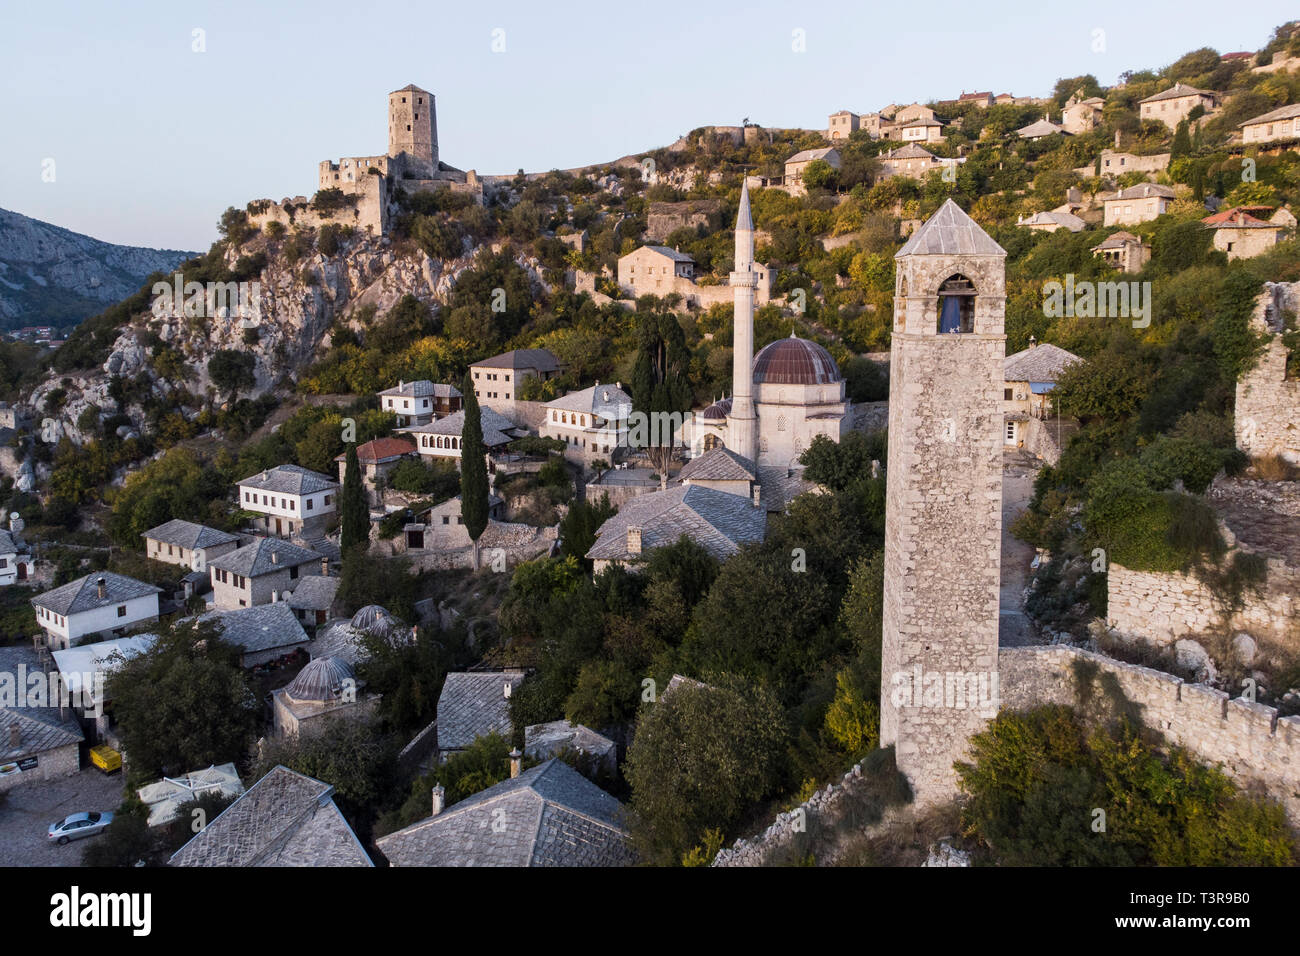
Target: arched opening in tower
957,304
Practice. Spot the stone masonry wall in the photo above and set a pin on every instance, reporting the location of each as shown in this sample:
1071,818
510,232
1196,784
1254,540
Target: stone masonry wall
1248,739
1268,403
1161,608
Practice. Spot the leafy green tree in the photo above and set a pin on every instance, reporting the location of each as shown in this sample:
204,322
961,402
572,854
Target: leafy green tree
354,511
353,756
482,764
660,386
473,469
231,371
700,758
578,528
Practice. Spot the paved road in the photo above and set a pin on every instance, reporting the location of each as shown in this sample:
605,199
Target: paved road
27,810
1014,627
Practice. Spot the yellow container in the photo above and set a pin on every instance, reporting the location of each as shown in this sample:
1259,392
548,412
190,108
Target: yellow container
106,758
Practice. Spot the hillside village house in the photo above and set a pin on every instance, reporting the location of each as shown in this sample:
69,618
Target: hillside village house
841,125
650,270
1140,203
262,633
1172,105
37,744
377,459
1124,251
497,379
1052,221
592,423
441,527
289,499
77,667
918,131
1112,163
313,598
440,440
187,544
1241,235
261,572
1279,124
982,100
1039,130
473,704
418,403
15,558
912,161
798,163
99,603
1082,115
164,797
1030,376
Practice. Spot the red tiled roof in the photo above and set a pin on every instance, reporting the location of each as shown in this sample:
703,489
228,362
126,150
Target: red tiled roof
1237,216
381,448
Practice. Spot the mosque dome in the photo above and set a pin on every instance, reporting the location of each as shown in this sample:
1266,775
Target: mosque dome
321,680
718,411
373,619
794,361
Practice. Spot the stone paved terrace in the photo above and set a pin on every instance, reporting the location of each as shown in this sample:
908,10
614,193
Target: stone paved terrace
1264,516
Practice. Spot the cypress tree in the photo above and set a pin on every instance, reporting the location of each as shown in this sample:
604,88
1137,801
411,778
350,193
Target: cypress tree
353,508
473,469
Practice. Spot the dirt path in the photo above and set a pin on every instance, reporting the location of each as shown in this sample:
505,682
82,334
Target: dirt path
1014,627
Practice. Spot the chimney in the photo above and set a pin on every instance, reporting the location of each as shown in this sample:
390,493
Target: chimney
275,557
506,690
324,567
101,588
633,540
516,762
439,797
1033,340
1117,141
16,523
15,736
757,492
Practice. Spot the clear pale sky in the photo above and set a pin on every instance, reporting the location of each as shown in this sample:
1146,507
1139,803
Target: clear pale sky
151,140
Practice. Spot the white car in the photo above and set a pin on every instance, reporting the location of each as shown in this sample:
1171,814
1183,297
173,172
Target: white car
77,825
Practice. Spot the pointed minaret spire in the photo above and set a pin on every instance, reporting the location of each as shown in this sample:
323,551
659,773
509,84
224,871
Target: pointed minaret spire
742,424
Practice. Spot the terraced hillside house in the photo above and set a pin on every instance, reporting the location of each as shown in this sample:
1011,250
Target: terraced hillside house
1172,105
289,499
497,379
262,634
1271,127
441,439
418,403
592,422
377,459
549,815
187,544
16,562
261,572
285,819
1030,376
101,603
1140,203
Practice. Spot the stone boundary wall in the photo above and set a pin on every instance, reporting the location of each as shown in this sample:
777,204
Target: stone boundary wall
1163,607
1268,403
368,211
1249,740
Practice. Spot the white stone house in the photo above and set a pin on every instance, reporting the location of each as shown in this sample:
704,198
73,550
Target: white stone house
1241,235
651,270
441,527
1030,376
187,544
261,573
1173,104
797,164
1279,124
497,379
289,499
442,439
592,422
78,668
418,403
99,603
15,558
1140,203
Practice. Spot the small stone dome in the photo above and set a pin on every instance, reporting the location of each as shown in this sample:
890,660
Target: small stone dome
321,680
718,411
794,361
373,619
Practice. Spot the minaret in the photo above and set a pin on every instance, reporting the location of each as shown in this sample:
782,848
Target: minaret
742,425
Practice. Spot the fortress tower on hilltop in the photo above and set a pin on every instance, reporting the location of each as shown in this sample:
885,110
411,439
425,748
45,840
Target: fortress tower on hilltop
943,518
413,129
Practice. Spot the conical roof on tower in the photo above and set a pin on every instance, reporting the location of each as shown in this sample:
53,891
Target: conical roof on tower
743,218
950,232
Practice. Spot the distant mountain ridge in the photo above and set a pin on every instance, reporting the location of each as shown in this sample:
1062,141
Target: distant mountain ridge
54,276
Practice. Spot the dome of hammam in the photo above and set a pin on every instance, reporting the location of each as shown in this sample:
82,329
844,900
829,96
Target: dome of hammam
321,680
718,411
373,619
794,361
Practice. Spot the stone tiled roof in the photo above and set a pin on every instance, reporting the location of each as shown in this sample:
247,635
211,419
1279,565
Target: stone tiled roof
187,534
315,592
780,487
717,521
260,628
950,232
808,155
422,389
606,401
1177,91
910,151
289,480
549,815
11,543
672,254
1041,128
547,740
1040,363
39,728
541,359
285,819
1116,240
1053,218
262,557
83,593
720,464
1281,113
473,704
497,429
1143,191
